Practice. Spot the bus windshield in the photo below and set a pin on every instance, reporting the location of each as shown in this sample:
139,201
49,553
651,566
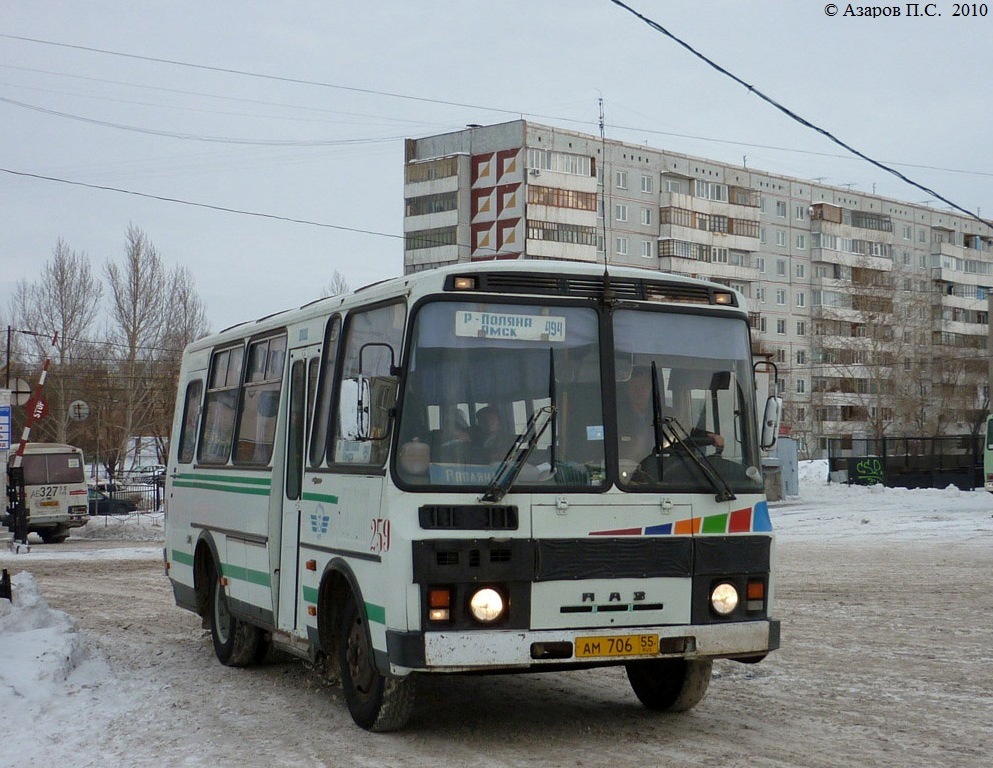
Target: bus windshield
478,374
690,375
52,468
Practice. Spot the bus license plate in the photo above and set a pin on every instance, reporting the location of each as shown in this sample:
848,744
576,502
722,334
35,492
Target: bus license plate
616,645
48,503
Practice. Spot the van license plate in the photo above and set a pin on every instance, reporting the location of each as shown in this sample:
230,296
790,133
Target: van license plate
616,645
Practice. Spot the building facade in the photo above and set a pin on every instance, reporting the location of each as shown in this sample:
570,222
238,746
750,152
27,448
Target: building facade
874,310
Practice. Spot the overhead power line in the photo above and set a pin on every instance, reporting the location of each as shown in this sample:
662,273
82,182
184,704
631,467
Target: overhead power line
791,114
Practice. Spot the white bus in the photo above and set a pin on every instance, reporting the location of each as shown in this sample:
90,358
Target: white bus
441,473
54,490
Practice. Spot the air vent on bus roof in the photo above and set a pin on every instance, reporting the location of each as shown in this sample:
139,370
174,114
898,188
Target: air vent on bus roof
592,286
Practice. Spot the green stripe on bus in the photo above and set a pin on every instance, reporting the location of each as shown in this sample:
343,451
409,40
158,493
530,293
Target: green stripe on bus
225,478
181,557
245,574
320,497
376,613
715,524
221,488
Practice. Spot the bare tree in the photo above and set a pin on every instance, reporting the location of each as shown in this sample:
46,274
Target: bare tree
337,286
65,301
139,324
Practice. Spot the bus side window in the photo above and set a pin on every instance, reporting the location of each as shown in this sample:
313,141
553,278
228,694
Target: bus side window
375,335
220,406
325,393
260,401
191,417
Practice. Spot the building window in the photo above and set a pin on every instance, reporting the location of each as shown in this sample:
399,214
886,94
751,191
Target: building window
620,212
430,238
801,357
439,203
563,162
673,186
801,242
780,238
621,179
801,271
760,294
646,184
780,266
621,246
780,209
762,204
430,170
557,232
780,355
781,327
719,255
762,235
760,264
781,297
801,386
711,190
646,217
801,212
646,249
561,198
906,231
800,299
801,328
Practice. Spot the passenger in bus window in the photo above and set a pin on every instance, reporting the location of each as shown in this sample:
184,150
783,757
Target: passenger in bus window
491,439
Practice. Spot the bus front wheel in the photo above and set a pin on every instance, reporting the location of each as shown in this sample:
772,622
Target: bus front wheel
670,685
235,642
376,702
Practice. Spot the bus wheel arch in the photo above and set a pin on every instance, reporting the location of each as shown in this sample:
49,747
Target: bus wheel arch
205,566
670,685
376,700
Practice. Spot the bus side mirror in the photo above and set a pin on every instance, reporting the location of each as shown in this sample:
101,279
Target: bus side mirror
770,422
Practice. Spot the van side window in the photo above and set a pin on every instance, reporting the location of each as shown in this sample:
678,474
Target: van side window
191,417
260,400
220,406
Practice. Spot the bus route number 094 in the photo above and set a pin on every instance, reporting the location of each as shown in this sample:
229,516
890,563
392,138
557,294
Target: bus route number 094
616,645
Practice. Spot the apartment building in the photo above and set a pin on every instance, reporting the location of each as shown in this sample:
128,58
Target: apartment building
874,310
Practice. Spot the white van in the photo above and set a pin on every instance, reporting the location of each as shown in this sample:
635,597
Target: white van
55,490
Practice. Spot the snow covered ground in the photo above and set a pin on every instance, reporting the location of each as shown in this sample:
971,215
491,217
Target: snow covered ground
57,684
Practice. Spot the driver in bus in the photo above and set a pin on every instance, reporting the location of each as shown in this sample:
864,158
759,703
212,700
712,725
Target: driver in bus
635,429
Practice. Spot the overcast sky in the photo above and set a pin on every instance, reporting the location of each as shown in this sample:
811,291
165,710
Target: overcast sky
308,119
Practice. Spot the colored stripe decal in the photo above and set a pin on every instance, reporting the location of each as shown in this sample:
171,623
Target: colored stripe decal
266,481
762,521
376,613
221,488
715,524
245,574
181,557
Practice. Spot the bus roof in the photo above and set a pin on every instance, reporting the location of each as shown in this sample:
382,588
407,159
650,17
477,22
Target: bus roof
51,448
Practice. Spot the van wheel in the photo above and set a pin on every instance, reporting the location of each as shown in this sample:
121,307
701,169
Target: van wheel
55,536
236,643
669,685
375,701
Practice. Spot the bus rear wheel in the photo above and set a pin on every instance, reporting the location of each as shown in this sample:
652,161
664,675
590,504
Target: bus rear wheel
54,536
236,643
376,702
670,685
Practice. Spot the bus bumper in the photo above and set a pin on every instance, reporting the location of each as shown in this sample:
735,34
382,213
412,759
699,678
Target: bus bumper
521,649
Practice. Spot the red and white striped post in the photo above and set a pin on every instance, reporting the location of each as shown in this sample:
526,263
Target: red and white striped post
15,472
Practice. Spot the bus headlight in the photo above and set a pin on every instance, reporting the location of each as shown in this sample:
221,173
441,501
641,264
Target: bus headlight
486,605
724,599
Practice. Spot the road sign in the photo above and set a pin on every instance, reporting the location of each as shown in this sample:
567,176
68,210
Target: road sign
37,408
79,410
4,427
20,391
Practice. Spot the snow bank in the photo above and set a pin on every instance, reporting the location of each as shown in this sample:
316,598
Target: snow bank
144,526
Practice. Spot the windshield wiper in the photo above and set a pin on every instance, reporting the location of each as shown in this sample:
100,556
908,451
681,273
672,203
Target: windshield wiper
672,430
517,456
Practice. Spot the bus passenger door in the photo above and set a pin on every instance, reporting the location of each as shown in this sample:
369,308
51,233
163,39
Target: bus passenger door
302,382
